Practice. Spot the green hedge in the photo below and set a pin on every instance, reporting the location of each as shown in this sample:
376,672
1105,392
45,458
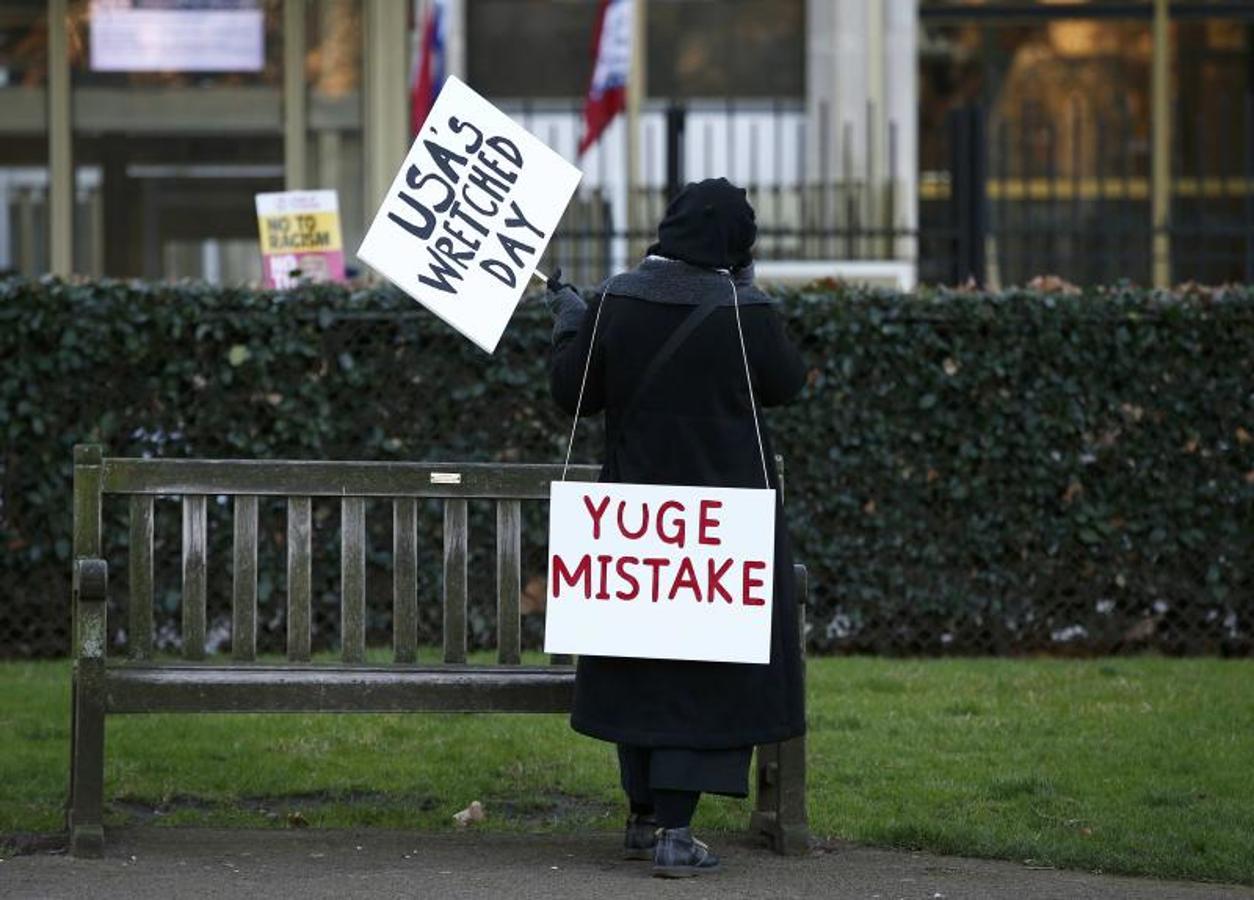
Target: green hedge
966,472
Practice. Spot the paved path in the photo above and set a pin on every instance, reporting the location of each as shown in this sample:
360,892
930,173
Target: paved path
151,863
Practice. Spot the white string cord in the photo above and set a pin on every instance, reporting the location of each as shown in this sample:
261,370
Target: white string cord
744,355
753,406
584,381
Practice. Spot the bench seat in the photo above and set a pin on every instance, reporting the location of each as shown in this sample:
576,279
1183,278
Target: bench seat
161,688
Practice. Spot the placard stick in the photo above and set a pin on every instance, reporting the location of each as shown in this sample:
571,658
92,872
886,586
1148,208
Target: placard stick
540,276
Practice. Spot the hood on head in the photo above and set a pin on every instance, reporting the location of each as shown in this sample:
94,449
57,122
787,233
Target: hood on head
709,223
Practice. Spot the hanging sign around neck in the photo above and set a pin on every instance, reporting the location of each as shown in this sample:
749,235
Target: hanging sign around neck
660,571
469,214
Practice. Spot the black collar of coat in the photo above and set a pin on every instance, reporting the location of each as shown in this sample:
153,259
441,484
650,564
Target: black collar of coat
659,279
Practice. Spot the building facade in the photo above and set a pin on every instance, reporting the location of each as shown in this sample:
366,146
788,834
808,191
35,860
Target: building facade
995,140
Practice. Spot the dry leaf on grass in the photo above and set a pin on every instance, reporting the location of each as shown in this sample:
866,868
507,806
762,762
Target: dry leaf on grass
472,813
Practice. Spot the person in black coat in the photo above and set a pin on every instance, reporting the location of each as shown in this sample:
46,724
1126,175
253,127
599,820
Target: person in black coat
685,727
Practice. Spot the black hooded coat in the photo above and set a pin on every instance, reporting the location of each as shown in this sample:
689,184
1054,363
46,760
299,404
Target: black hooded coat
693,424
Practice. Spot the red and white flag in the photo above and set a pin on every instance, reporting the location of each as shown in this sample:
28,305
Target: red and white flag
607,94
427,76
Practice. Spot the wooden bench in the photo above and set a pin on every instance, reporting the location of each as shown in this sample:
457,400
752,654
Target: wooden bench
141,684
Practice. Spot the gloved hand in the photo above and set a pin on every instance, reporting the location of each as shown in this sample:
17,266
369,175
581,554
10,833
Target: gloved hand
564,303
554,282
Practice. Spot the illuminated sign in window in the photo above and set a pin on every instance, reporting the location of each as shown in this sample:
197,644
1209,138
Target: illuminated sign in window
177,36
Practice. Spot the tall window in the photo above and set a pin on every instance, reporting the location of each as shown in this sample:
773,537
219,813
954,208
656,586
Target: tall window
1065,91
23,141
177,125
696,48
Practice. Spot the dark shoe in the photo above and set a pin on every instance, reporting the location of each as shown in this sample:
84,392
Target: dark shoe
679,855
640,837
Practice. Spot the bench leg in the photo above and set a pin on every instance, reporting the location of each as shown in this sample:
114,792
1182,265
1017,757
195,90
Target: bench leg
780,811
766,803
780,814
87,760
69,797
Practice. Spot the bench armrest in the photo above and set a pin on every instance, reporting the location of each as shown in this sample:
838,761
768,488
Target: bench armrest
91,588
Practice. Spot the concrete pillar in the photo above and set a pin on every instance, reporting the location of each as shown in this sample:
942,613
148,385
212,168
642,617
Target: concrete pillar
1160,187
385,66
862,113
876,131
851,88
455,38
901,110
637,90
836,72
295,105
60,135
330,165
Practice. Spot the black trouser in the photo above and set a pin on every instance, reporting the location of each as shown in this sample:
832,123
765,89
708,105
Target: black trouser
668,781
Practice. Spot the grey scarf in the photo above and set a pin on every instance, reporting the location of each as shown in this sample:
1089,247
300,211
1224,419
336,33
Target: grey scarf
662,280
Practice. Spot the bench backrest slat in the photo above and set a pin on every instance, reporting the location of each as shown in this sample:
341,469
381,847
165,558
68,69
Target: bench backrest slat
88,463
244,581
353,579
508,578
299,536
139,641
195,573
454,581
405,579
516,481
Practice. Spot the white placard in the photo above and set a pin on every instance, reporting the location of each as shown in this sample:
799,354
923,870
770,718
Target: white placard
188,36
660,572
469,214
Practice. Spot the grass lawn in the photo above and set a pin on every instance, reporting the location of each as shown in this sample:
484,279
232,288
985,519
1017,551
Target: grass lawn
1137,766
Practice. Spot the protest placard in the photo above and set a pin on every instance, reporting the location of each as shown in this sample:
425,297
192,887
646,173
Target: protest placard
300,237
469,214
660,572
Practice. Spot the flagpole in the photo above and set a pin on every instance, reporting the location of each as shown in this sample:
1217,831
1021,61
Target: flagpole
636,87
